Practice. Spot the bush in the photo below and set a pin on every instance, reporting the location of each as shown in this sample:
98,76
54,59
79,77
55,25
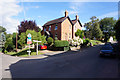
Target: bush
50,40
9,46
59,43
86,41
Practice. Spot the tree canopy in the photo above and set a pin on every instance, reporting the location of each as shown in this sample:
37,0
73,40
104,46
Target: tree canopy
79,33
2,29
35,36
27,25
107,25
117,29
93,28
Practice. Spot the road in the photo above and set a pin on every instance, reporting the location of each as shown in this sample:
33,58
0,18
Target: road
84,63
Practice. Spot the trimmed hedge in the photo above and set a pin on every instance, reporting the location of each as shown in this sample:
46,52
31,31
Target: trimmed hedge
59,43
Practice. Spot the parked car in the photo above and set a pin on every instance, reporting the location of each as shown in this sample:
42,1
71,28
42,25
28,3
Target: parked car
107,50
42,46
108,43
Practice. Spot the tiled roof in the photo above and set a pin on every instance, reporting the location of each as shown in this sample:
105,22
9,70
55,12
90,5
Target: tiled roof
74,21
55,21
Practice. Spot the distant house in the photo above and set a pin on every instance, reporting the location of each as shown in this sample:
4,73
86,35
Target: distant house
62,28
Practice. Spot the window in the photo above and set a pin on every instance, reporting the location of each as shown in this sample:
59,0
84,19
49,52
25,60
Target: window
69,36
70,27
56,36
44,28
49,28
66,37
75,29
56,26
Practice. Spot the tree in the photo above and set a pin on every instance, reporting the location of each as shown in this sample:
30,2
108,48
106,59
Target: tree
9,46
34,35
79,33
22,40
117,30
107,26
2,35
93,29
2,29
14,39
27,25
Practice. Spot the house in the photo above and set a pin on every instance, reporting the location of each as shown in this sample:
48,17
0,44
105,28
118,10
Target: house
76,25
62,28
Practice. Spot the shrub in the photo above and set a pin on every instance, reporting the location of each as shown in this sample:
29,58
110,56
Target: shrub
86,41
50,40
59,43
9,46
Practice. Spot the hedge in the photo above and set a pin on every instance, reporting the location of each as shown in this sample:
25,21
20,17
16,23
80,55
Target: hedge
59,43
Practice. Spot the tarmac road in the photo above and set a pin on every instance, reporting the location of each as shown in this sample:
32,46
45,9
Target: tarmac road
72,64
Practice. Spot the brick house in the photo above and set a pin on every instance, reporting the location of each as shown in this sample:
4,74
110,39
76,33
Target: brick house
61,28
76,25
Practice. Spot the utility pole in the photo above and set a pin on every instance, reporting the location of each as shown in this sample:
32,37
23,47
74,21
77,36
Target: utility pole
16,39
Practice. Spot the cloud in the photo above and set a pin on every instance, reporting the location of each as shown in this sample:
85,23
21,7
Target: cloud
29,7
39,16
9,9
111,14
75,7
40,27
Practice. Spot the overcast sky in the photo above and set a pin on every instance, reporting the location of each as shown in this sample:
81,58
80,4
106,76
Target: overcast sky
14,12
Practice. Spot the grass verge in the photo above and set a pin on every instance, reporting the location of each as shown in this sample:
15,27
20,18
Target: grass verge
95,42
24,53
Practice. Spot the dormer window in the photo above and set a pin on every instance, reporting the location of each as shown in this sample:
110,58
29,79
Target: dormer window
56,26
49,28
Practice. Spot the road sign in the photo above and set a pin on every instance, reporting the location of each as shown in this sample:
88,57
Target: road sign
29,41
29,35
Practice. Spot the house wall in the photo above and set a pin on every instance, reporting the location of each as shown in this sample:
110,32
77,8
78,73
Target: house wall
66,30
75,29
53,31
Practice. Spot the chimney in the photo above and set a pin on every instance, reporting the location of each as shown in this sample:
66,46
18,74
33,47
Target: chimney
77,17
66,13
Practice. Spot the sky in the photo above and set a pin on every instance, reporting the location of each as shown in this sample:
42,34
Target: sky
15,12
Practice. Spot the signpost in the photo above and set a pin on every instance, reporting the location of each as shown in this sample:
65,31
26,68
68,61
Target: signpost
29,41
37,46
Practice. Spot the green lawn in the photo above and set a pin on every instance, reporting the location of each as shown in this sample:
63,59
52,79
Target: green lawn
95,42
23,53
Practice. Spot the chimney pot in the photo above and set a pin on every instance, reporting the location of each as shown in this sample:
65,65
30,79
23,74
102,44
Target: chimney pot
66,13
77,17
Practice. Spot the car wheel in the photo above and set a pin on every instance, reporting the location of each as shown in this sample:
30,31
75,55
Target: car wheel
101,55
113,55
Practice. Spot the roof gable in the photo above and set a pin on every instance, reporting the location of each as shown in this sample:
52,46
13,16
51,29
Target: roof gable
74,21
